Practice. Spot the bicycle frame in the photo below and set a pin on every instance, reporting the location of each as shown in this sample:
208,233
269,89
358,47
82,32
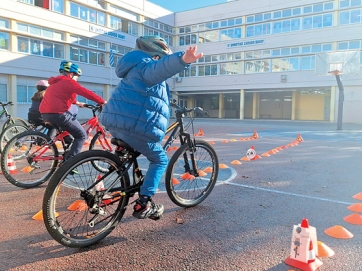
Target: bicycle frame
178,131
88,126
4,111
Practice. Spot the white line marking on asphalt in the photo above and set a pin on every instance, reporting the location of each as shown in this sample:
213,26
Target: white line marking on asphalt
289,194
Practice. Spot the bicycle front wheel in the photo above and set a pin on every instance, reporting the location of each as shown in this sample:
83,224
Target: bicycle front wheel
76,216
27,160
15,121
184,185
9,132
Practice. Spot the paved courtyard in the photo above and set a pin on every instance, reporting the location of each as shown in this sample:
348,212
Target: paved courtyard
245,224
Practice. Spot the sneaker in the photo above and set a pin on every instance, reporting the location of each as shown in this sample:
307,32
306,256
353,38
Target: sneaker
149,210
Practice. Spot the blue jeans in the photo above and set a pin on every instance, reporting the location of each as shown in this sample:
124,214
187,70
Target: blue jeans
68,122
158,162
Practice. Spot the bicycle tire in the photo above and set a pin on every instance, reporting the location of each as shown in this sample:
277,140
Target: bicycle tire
9,132
66,213
15,121
189,190
16,159
94,145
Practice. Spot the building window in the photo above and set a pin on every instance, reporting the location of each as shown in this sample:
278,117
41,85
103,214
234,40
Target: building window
4,23
41,32
87,14
24,93
40,48
3,93
4,41
57,6
87,56
214,102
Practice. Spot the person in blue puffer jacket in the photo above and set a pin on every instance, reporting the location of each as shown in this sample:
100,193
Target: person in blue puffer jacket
138,109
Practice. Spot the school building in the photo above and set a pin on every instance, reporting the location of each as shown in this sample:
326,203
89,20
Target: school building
262,59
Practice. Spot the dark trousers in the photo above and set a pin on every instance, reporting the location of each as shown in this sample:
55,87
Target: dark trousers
69,123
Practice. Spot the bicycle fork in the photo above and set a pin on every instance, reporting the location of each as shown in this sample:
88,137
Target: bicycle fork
193,170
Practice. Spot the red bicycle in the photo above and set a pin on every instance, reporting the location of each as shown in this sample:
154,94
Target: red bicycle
30,158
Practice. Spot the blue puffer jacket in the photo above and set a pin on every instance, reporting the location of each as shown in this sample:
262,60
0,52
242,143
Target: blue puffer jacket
139,105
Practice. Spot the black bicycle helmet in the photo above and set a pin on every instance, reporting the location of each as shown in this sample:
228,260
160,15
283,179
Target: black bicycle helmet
153,45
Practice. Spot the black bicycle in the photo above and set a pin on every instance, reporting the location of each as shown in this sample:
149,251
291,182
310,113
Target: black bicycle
10,119
82,205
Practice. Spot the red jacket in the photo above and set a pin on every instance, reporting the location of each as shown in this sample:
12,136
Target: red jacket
62,92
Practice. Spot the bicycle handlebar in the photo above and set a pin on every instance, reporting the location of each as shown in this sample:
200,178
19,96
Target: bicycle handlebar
184,110
93,107
6,104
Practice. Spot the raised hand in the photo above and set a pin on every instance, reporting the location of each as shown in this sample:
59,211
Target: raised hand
190,55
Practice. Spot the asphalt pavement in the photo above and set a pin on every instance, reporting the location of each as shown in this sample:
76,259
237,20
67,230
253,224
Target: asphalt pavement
245,224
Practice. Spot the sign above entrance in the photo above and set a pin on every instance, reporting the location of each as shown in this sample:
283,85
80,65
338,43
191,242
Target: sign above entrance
245,43
104,31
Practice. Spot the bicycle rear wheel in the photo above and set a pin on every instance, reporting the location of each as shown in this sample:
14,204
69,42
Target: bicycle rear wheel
67,215
17,160
9,132
185,187
98,143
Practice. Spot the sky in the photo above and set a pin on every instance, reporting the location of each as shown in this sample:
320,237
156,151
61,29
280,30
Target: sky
181,5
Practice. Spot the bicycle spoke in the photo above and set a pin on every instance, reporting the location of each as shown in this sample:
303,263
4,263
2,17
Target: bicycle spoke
26,161
83,217
184,185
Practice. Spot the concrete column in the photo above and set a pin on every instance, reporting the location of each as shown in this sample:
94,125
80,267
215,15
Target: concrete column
67,8
294,102
221,106
242,103
332,112
255,105
107,92
13,95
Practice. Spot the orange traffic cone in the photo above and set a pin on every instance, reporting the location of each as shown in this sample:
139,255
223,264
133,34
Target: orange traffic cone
338,231
324,250
235,162
356,207
223,166
255,135
38,215
187,176
299,138
11,165
252,155
78,205
88,141
358,196
302,253
201,132
313,262
354,219
175,181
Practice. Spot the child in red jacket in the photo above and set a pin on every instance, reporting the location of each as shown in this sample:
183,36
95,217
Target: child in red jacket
58,99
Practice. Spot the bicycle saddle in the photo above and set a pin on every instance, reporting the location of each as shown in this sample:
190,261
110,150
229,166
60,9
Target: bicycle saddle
120,143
